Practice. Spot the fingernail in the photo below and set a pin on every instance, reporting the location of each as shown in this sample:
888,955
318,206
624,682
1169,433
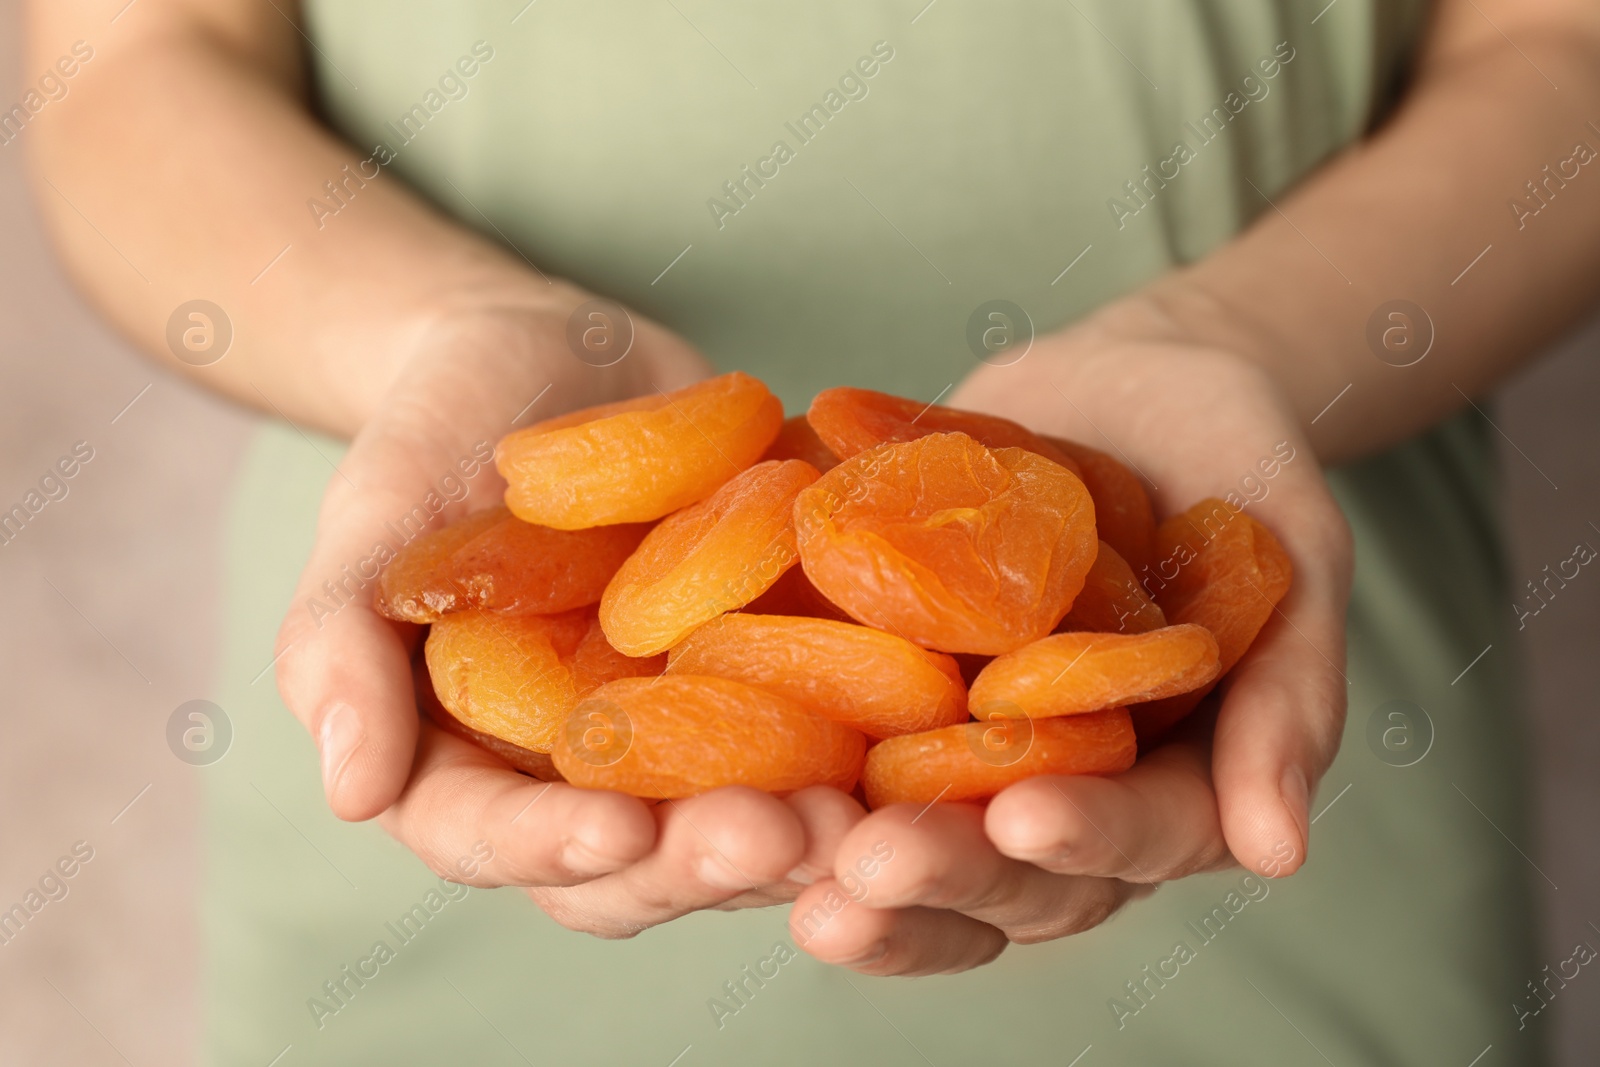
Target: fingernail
1296,797
801,874
579,858
718,873
871,956
338,738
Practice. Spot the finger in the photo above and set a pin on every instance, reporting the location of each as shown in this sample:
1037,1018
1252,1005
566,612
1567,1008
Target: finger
1153,823
344,670
1283,706
340,664
347,678
826,815
710,849
940,857
465,805
906,942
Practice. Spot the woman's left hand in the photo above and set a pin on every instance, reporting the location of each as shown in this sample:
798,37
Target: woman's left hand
946,887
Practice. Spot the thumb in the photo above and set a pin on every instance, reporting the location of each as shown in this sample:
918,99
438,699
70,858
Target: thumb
343,669
1279,726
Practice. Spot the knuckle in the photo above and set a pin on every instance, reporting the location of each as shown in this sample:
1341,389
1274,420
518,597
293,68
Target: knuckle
1075,918
914,881
650,898
568,913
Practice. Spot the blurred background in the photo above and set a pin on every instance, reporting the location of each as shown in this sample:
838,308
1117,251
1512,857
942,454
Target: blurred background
110,622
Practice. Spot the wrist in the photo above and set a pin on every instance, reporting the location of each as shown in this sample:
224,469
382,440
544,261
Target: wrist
501,346
1180,309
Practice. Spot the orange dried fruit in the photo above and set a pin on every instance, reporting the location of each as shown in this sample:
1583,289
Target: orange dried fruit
1219,568
878,683
797,440
506,675
976,760
1122,508
947,543
537,764
496,562
637,460
595,662
1072,673
712,557
418,585
850,421
679,735
519,567
1112,600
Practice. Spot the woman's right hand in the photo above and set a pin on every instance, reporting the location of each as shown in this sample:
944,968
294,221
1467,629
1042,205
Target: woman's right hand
601,862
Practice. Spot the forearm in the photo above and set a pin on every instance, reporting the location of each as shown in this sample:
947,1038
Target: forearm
181,166
1402,216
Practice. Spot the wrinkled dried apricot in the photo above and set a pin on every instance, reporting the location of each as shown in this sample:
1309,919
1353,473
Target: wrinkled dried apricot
1068,674
1112,600
637,460
418,585
878,683
797,440
503,565
976,760
1122,508
519,567
850,421
712,557
679,735
537,764
947,543
1221,569
505,675
595,662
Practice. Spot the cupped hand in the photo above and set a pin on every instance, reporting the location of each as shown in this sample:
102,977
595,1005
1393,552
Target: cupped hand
597,861
1054,856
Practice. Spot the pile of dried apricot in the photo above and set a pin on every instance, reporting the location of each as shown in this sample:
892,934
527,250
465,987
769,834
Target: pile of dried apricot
687,591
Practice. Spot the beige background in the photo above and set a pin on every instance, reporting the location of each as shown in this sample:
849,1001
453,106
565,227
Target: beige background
110,622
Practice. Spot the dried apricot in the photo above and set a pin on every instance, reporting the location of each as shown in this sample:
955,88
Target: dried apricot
947,543
711,557
850,421
1221,569
878,683
418,585
797,440
976,760
1112,600
595,662
503,565
506,675
537,764
1068,674
1122,508
637,460
679,735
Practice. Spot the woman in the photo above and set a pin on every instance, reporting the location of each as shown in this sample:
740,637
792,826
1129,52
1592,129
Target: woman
1206,213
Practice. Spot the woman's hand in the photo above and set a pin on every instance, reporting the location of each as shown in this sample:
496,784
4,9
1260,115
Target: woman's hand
596,861
1057,855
